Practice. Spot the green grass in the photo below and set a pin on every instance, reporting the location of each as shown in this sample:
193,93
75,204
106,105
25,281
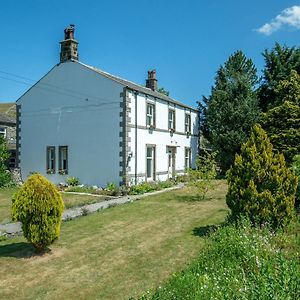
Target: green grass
70,200
8,108
240,262
116,253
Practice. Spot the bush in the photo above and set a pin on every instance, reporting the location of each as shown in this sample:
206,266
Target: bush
204,173
296,168
39,206
73,181
261,187
238,262
5,176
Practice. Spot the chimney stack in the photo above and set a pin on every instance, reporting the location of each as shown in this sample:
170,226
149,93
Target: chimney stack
68,48
151,82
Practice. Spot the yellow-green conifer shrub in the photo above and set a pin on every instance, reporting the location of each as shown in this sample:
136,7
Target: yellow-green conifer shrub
261,187
39,206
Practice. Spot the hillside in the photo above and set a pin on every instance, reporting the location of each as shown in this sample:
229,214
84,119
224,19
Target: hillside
8,108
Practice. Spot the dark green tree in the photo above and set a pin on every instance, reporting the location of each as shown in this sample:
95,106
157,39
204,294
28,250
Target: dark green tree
261,186
163,91
282,122
279,62
232,109
5,176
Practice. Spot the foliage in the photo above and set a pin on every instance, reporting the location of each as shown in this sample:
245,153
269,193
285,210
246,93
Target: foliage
238,262
111,186
282,122
147,187
5,176
232,109
260,185
163,91
204,173
279,62
73,181
39,206
296,168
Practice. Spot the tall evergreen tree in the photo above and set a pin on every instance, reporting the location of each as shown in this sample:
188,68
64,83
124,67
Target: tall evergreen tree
282,122
232,109
279,62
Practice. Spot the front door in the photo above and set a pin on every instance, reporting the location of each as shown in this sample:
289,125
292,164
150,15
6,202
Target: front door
171,161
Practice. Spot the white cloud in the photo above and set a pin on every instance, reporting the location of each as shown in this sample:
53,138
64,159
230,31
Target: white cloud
288,17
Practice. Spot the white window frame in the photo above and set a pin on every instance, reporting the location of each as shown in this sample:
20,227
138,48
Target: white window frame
3,132
187,123
63,160
171,119
150,116
50,159
187,157
152,164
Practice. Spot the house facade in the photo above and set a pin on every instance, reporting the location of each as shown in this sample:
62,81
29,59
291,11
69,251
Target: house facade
83,122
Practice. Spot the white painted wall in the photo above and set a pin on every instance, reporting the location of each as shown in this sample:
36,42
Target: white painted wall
160,137
77,107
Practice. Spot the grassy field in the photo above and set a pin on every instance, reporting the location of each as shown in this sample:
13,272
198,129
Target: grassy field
70,200
116,253
8,108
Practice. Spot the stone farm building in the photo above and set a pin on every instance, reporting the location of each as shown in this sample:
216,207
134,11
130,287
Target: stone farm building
83,122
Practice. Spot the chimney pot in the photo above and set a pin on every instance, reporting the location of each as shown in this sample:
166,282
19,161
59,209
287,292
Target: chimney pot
151,82
69,45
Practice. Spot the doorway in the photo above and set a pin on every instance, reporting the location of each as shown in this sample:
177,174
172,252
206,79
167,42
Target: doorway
171,162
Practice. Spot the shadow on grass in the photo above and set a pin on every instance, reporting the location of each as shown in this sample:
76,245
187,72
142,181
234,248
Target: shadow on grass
205,231
20,250
194,198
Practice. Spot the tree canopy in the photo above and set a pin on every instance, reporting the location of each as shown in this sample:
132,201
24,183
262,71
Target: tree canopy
232,108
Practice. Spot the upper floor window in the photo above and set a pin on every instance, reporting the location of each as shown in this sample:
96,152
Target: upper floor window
171,119
150,117
50,165
187,123
63,159
3,132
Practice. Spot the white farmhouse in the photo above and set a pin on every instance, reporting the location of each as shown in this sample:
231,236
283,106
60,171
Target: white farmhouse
83,122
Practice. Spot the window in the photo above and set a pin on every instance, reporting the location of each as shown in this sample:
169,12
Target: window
187,123
171,119
150,162
3,132
187,157
150,117
50,160
63,159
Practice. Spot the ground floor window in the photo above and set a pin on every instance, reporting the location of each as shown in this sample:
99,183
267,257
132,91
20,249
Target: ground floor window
3,132
187,157
50,166
63,159
150,162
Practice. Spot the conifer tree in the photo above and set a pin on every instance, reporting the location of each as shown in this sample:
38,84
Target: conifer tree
261,187
39,206
232,109
282,122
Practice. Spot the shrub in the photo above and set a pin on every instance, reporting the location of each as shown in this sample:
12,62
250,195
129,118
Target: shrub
260,185
204,173
5,176
296,168
144,187
39,206
73,181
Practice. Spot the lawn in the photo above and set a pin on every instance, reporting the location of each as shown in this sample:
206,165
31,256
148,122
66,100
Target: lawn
70,200
116,253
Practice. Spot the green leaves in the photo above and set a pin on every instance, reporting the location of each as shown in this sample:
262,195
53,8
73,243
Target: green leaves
232,108
39,206
261,187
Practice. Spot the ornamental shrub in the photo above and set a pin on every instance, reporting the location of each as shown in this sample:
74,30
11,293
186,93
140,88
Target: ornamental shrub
39,206
261,187
296,168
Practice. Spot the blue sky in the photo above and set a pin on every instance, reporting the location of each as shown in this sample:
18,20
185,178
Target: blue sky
185,41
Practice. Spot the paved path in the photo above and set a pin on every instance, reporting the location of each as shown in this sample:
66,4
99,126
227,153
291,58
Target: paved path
71,213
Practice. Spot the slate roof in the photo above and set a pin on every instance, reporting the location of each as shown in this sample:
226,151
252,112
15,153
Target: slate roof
137,87
7,120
